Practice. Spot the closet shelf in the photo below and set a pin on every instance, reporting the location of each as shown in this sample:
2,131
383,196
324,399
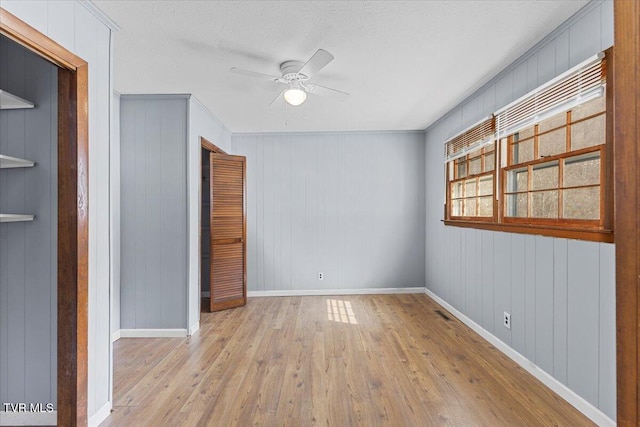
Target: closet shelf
7,162
9,101
15,218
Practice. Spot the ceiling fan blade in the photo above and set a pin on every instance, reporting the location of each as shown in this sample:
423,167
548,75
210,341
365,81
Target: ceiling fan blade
249,73
324,91
278,99
317,62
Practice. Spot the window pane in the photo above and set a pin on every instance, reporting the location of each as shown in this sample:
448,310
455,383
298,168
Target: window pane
462,168
470,207
523,134
485,206
470,187
457,208
485,186
517,180
581,203
523,151
553,122
489,161
588,133
456,190
516,205
552,143
545,176
475,166
589,108
582,170
544,204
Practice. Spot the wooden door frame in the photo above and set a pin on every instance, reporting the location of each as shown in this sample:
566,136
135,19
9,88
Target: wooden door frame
211,148
627,203
73,216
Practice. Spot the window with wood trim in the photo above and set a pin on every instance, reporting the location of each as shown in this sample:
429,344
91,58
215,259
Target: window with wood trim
471,164
550,163
554,169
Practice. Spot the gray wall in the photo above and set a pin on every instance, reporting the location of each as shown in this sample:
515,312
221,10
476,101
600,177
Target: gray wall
350,205
28,250
560,293
154,219
115,212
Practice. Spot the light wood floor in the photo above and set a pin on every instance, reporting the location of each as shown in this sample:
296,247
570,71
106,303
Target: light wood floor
388,360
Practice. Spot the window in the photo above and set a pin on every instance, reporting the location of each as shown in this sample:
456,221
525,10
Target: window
471,164
553,172
550,163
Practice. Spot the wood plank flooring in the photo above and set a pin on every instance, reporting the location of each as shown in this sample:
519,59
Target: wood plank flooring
361,360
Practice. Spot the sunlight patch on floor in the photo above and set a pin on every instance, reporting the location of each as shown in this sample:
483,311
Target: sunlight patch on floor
340,311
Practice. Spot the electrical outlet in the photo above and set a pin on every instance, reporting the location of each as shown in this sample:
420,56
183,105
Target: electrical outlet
320,276
507,320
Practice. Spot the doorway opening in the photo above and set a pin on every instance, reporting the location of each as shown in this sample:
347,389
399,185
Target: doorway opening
72,216
223,268
205,232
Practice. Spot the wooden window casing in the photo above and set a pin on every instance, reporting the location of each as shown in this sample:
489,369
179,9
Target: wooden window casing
531,149
469,186
556,161
470,163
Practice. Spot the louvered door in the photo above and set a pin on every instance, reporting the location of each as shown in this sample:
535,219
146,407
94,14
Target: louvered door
228,246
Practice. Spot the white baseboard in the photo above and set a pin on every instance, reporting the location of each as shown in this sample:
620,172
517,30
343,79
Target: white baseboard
28,418
100,415
329,292
194,328
153,333
590,411
115,336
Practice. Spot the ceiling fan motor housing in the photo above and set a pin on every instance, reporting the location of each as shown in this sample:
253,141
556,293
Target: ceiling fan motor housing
290,71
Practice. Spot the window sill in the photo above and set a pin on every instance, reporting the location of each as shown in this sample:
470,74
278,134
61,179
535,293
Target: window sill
605,236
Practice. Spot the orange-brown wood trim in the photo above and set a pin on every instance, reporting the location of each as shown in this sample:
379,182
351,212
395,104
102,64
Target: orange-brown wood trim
210,146
22,33
73,216
594,235
608,187
627,204
244,228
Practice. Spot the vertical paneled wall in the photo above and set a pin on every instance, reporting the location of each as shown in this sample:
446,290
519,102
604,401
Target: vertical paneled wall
560,293
349,205
77,27
202,123
115,212
28,250
153,150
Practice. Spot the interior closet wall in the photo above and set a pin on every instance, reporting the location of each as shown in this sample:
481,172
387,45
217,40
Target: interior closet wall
28,250
560,293
83,30
205,221
347,204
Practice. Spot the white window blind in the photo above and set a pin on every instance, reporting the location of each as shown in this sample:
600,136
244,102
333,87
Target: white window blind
470,139
577,85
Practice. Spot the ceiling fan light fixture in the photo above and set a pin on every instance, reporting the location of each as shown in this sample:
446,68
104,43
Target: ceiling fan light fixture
295,96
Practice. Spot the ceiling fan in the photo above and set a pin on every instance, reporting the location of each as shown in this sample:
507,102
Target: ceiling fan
296,75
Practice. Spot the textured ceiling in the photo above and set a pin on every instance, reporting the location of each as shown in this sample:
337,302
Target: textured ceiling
405,63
